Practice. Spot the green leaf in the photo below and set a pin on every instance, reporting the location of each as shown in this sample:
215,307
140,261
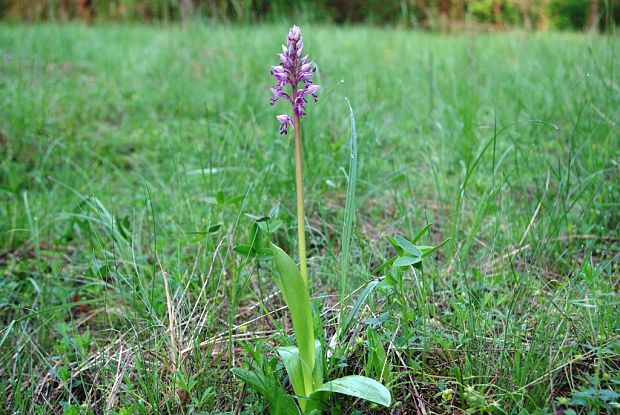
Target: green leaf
220,198
297,299
259,240
265,254
359,387
211,229
393,242
7,330
407,246
405,261
243,249
234,199
349,214
271,226
421,233
427,250
214,228
292,364
386,264
256,381
257,218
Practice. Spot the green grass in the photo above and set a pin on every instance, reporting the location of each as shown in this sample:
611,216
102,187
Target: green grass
122,148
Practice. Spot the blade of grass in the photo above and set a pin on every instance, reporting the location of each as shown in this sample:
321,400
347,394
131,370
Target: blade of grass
349,214
358,304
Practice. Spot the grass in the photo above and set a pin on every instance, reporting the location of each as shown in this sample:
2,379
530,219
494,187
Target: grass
130,156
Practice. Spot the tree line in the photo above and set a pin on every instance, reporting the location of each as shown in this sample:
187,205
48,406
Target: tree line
441,15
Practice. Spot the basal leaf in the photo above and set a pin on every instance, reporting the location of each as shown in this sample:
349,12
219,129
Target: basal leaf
292,364
359,387
297,299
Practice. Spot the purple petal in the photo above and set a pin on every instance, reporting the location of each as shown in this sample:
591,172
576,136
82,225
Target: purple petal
284,60
285,121
311,89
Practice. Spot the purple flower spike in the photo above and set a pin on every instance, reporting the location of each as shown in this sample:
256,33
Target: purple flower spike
296,72
285,121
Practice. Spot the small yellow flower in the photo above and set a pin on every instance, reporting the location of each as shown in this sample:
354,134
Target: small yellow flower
447,394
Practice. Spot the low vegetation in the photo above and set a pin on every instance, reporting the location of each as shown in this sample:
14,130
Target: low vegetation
135,162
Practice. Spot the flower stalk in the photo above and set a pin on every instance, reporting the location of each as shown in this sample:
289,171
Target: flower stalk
296,72
299,176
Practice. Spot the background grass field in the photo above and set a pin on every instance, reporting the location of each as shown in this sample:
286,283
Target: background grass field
130,156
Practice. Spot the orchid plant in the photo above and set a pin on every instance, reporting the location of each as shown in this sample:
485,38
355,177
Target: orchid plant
303,362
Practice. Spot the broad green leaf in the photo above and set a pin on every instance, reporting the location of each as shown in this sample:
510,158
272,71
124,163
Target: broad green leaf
393,242
359,387
358,304
407,246
243,249
292,364
297,299
405,261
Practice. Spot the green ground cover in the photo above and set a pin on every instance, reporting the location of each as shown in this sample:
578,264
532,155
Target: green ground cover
130,157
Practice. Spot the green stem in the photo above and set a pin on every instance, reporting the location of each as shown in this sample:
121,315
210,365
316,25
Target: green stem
301,228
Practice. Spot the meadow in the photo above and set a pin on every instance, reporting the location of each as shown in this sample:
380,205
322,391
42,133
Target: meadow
134,159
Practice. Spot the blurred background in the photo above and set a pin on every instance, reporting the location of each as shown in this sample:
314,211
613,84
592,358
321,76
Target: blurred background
435,15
